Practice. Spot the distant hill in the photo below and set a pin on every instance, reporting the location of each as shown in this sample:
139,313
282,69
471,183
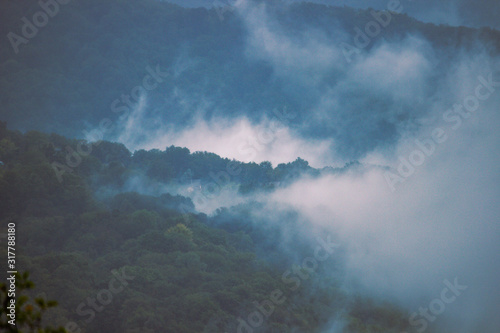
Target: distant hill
79,68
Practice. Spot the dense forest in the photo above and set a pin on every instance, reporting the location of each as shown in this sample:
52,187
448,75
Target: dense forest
181,270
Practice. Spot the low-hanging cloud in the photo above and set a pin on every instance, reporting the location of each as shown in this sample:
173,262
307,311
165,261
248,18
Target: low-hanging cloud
440,223
236,138
307,55
346,109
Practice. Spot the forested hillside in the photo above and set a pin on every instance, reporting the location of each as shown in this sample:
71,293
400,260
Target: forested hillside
181,271
249,166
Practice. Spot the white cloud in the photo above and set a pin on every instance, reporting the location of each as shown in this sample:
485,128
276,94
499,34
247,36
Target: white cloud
238,138
307,55
440,224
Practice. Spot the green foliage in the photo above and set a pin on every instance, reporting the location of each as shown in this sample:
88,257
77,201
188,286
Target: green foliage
7,149
28,312
181,229
192,273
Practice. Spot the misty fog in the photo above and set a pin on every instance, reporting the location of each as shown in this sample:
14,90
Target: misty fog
399,130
